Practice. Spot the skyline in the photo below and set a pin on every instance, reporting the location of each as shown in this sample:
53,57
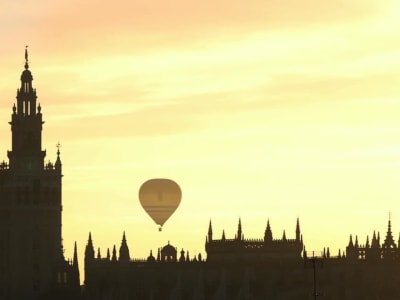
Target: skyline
275,112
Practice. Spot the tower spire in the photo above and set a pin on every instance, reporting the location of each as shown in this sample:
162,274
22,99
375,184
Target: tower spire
58,160
298,230
124,250
210,232
239,231
26,58
389,242
268,233
75,259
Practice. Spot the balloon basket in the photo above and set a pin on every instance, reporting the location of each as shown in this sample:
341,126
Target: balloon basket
160,228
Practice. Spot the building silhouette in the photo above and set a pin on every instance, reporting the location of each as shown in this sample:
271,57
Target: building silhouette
242,268
32,264
234,269
244,250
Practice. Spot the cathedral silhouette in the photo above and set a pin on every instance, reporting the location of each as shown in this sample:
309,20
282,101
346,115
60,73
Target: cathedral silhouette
33,266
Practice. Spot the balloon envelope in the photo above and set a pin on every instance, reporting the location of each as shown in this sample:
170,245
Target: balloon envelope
160,198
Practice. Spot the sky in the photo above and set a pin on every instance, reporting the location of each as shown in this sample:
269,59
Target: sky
258,109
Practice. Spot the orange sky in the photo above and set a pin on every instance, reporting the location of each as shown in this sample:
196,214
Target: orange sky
274,109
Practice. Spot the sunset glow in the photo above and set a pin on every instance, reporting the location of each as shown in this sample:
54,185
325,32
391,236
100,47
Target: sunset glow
259,110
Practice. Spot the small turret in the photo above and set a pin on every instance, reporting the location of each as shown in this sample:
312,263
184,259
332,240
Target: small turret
151,258
298,234
268,233
210,232
351,245
75,267
374,242
75,259
58,164
239,235
89,251
114,254
389,242
284,236
182,257
304,252
223,235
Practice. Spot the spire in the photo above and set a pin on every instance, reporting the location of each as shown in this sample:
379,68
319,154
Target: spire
239,231
367,242
108,254
89,251
210,233
223,235
284,236
268,233
298,237
389,242
114,254
75,267
374,241
75,259
356,242
98,253
26,95
58,160
351,241
26,58
124,250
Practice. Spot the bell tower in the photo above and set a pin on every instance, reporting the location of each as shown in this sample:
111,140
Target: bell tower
26,127
32,263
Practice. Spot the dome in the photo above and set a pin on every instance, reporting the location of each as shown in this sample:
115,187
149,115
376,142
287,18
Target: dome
151,258
168,250
26,76
168,253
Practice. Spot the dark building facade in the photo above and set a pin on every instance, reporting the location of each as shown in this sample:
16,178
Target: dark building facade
233,269
251,269
244,250
32,264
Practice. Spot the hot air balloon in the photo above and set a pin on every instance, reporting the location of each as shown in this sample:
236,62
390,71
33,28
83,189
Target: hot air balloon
160,198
